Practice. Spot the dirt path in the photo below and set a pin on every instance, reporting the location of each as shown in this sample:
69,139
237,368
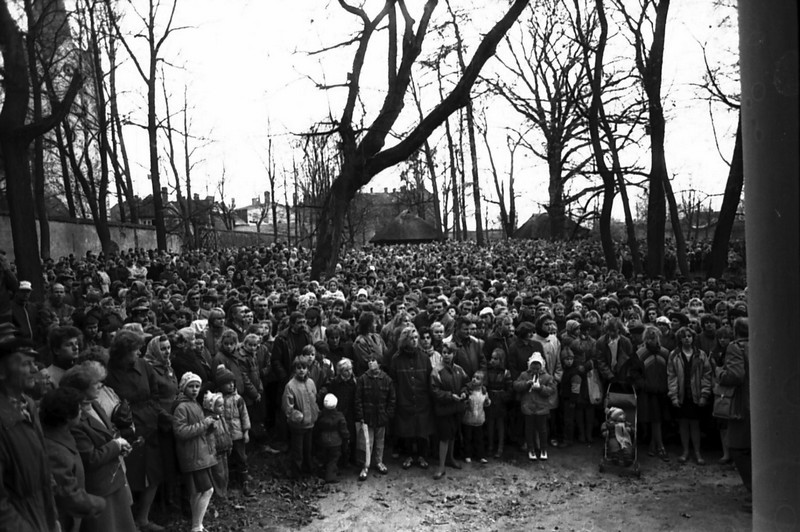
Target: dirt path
566,493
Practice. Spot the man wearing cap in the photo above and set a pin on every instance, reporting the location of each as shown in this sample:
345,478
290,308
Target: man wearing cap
24,313
26,497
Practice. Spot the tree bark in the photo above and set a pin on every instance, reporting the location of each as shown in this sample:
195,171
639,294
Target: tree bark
677,229
718,259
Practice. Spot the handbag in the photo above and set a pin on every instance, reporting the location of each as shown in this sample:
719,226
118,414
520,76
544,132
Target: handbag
726,403
594,387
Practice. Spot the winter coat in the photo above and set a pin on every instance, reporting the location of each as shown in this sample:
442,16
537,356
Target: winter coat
496,340
445,382
300,395
700,379
331,429
498,385
628,368
235,413
345,392
192,436
535,402
365,346
469,355
199,363
100,454
221,441
72,500
286,347
477,401
239,367
736,372
410,370
250,367
573,385
26,497
521,351
165,390
551,354
655,369
374,399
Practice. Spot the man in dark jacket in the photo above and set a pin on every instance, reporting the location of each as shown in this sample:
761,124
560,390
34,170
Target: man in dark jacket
26,497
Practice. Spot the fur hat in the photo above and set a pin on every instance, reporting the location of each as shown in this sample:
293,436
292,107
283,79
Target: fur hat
223,376
189,378
330,401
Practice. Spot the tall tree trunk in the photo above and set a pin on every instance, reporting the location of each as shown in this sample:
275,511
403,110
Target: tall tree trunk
555,189
606,239
62,159
451,150
718,259
677,229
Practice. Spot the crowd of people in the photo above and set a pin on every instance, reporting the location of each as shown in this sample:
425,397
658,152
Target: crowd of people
154,373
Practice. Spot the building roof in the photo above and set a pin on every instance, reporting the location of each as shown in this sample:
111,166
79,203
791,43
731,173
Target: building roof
538,226
406,228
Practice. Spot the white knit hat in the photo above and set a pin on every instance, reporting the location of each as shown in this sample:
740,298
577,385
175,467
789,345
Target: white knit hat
187,378
330,401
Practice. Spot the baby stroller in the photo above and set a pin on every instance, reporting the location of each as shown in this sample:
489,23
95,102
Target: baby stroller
625,461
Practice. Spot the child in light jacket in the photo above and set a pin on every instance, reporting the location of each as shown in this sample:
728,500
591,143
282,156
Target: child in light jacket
535,387
238,420
299,404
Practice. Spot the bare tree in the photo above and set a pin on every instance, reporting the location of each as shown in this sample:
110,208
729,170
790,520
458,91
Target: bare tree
148,71
508,215
16,135
363,153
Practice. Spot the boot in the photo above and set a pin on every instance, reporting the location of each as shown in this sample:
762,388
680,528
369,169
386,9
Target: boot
247,489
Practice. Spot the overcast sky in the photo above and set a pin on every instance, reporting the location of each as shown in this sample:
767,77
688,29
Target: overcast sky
244,67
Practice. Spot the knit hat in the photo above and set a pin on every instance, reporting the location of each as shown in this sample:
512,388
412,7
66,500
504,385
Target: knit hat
188,378
573,325
223,376
330,401
210,399
536,357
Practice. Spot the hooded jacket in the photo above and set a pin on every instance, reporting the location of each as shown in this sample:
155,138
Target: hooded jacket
192,438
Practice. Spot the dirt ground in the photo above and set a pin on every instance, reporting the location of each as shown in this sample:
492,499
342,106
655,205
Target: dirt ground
566,493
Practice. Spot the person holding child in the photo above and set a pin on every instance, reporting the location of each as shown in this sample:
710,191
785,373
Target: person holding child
195,450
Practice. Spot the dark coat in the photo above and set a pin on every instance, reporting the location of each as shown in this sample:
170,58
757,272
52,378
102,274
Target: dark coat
446,381
100,454
331,429
375,399
410,370
72,500
26,497
240,369
521,351
187,360
345,392
286,347
736,372
628,368
469,355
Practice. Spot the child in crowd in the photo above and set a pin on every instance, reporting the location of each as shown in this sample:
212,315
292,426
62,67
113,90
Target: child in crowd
472,425
193,447
574,398
498,386
535,387
248,355
238,421
375,402
214,406
299,404
332,437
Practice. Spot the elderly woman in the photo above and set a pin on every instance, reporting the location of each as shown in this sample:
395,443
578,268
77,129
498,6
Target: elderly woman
60,410
410,370
135,380
101,450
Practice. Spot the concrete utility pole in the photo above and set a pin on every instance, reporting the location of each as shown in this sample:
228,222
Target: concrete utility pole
769,71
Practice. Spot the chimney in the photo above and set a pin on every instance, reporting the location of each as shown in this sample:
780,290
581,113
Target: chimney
164,198
385,190
197,197
370,190
394,190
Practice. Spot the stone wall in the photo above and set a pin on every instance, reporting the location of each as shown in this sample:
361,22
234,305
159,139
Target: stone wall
79,236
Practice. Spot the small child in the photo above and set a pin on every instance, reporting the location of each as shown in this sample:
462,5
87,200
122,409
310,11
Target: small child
238,421
193,447
574,397
375,403
619,436
498,385
248,356
299,404
214,405
535,387
332,437
472,425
